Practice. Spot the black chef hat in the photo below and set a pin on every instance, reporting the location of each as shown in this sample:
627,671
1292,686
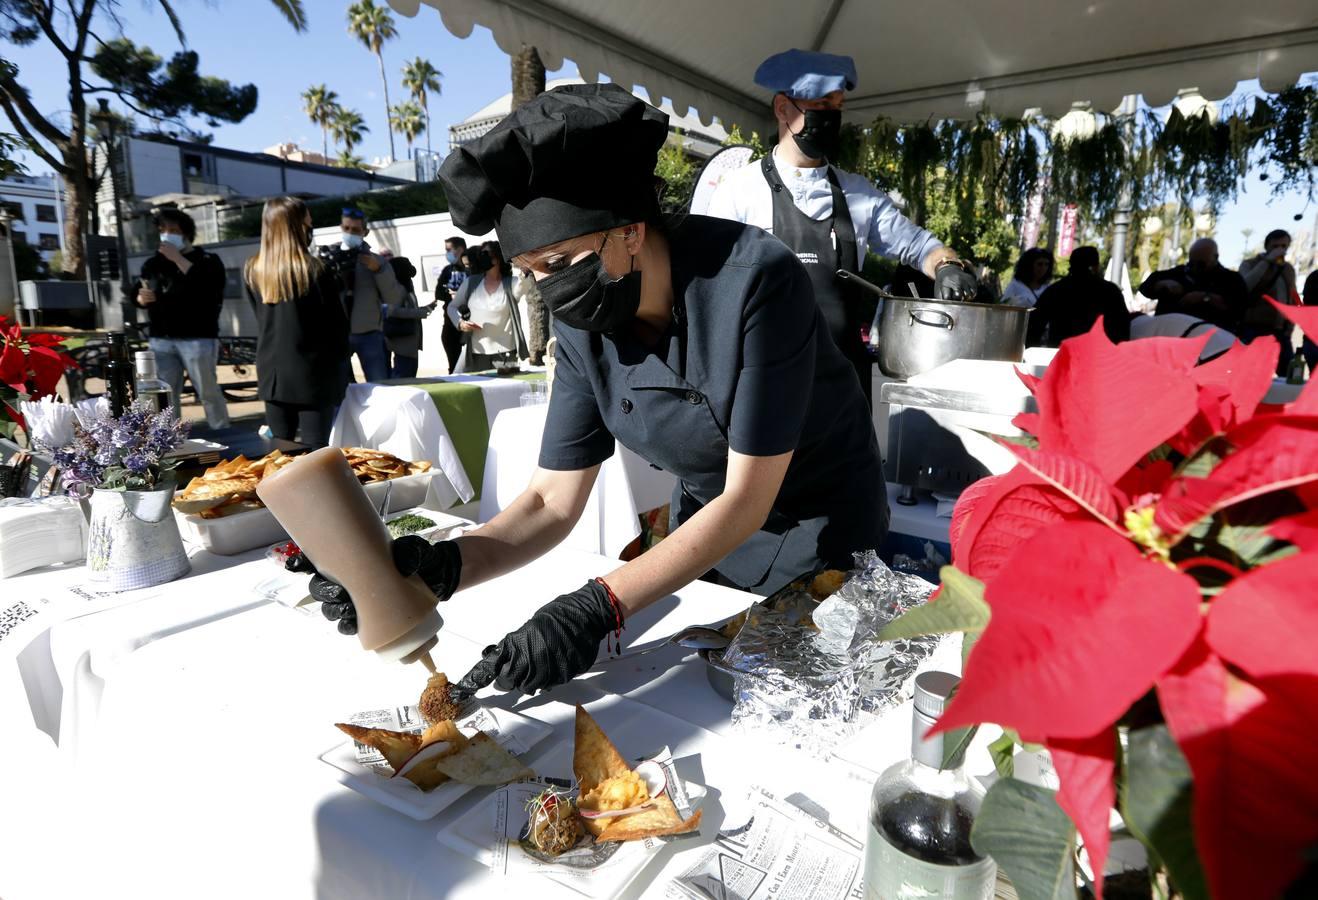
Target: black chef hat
574,160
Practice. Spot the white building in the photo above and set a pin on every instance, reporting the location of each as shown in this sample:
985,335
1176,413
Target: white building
699,140
36,203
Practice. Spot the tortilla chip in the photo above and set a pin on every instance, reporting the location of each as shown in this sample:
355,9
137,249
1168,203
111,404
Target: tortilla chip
594,758
427,775
395,746
483,761
657,822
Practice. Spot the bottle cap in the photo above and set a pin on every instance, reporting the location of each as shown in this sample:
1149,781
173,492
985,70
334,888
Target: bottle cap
142,356
933,690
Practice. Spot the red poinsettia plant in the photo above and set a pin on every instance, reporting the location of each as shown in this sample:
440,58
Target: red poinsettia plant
1141,591
30,367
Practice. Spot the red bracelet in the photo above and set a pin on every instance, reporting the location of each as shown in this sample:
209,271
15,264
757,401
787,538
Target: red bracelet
616,646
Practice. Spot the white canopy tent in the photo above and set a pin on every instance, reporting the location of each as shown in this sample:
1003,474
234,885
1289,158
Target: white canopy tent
931,59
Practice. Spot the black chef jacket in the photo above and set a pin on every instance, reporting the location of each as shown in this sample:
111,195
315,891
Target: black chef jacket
746,364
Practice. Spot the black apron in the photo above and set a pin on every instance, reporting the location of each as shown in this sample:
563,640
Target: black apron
824,246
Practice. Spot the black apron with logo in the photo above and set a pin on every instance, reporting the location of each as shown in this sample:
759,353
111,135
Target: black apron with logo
824,246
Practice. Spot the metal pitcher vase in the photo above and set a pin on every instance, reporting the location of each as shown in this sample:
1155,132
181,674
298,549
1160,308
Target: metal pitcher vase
134,540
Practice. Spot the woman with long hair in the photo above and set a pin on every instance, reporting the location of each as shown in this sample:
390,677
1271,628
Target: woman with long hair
486,311
1034,272
302,344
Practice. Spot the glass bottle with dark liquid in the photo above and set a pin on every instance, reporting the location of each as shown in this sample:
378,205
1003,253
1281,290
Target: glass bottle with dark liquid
149,387
918,843
118,374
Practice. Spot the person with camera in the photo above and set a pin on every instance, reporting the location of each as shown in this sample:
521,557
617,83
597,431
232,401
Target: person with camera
182,291
369,285
485,309
402,322
302,345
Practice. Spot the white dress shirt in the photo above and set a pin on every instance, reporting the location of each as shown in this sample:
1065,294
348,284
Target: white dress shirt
744,196
1018,293
492,313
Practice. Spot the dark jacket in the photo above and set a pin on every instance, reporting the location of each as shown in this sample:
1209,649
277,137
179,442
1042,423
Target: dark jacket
302,346
1072,305
187,306
1218,280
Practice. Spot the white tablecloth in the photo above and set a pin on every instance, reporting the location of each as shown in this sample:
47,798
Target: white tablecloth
627,485
402,420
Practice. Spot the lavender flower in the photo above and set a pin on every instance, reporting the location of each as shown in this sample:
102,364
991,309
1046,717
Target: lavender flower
127,452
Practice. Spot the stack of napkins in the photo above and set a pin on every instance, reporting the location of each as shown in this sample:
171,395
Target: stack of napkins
36,533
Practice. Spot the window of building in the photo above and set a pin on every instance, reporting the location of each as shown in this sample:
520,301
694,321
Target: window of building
192,164
14,209
19,237
45,212
49,242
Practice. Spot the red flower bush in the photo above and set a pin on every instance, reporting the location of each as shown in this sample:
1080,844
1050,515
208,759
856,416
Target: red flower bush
1159,543
30,366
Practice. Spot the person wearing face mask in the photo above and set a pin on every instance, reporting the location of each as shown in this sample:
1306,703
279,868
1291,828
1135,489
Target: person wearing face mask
451,278
182,290
695,343
828,217
371,285
1201,287
485,310
1269,275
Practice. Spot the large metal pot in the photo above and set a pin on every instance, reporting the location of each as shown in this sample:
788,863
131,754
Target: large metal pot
916,335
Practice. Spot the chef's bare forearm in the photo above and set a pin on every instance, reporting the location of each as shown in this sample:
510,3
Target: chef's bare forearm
717,529
532,525
933,258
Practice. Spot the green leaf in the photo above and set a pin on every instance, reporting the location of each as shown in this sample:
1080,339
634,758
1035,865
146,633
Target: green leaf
1202,462
955,743
1155,803
1003,752
960,607
1031,839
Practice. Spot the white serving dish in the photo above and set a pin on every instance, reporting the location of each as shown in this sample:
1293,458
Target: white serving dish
446,526
254,528
515,733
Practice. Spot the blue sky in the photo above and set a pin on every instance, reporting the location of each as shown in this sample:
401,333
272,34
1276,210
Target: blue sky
247,41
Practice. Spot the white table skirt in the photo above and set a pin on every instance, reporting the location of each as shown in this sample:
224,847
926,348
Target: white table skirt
402,420
626,487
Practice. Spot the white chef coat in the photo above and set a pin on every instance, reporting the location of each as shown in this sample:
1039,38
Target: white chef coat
492,312
744,196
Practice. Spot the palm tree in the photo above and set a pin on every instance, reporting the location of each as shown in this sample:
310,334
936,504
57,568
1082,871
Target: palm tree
528,75
349,160
420,77
321,105
348,127
408,119
372,25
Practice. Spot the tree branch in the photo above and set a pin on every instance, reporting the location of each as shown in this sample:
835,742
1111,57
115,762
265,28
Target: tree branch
28,138
18,99
46,22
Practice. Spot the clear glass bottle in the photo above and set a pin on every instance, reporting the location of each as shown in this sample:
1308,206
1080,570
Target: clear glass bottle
149,387
918,842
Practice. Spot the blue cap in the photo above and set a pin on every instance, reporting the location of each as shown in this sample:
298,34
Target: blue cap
806,74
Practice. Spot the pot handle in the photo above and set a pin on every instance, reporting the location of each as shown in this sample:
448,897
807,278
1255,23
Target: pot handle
946,318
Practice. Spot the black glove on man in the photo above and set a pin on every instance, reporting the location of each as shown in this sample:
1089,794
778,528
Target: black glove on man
439,565
953,282
555,645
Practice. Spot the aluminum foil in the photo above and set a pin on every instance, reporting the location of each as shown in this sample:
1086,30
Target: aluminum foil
810,673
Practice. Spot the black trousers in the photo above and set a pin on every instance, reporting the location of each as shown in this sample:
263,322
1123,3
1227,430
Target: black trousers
287,419
452,339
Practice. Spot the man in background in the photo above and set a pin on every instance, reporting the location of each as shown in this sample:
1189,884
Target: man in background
371,285
1270,275
1201,287
182,290
1072,305
450,279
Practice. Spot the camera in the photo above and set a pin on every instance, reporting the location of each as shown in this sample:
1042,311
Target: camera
339,258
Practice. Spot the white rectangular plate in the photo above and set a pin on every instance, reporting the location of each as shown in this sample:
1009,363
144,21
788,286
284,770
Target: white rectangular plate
515,733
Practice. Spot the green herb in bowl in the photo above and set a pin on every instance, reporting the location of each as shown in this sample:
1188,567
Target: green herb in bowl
408,524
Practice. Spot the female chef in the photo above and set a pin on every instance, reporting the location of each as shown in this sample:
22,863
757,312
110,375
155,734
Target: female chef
697,344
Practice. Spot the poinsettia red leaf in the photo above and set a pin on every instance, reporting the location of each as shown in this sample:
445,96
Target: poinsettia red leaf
1077,479
47,369
1216,413
1027,422
1015,508
1275,453
1254,623
1087,791
965,508
1246,371
45,340
1304,316
1084,398
1030,380
1300,530
1255,796
13,368
1146,478
1082,625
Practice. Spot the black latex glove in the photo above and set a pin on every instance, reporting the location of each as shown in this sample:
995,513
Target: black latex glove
555,645
952,282
438,565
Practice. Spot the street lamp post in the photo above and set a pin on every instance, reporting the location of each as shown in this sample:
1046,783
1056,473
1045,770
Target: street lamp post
6,226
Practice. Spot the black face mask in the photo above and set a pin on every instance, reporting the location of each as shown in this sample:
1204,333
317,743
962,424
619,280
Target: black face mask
583,295
820,136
